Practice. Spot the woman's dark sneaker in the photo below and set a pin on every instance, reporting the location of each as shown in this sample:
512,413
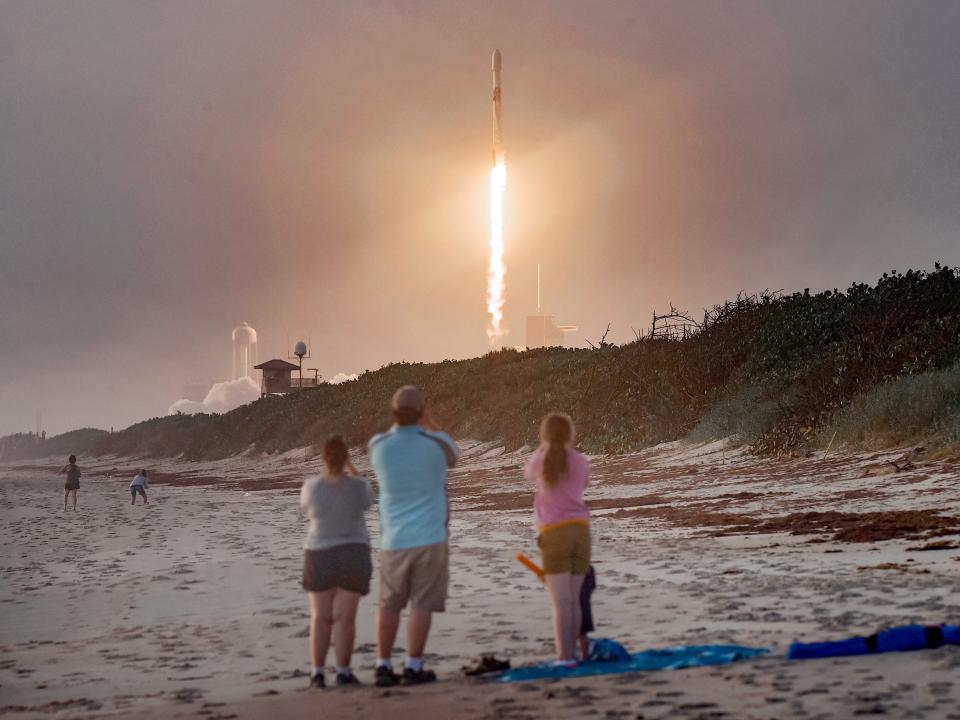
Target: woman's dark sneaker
417,677
347,678
317,681
385,677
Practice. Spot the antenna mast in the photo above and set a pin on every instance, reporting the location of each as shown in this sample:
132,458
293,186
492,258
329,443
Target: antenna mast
538,289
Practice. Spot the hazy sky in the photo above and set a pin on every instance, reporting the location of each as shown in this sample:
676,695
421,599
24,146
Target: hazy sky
168,169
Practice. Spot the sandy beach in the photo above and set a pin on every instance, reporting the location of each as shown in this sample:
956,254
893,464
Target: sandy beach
191,606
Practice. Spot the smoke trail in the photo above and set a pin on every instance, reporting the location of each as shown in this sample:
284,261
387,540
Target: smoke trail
496,288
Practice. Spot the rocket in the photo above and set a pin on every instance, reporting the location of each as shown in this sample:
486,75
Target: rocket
497,133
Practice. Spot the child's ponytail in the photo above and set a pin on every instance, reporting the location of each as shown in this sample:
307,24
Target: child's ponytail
556,432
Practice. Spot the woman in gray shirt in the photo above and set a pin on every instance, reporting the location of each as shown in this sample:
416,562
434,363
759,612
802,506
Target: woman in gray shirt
336,558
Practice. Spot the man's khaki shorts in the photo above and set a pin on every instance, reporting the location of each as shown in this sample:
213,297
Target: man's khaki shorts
565,548
418,576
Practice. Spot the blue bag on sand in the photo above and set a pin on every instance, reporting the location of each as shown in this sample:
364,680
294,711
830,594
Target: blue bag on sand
895,639
905,637
835,648
951,634
606,650
673,658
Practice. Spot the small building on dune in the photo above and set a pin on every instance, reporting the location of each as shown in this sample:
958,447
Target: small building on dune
275,376
543,331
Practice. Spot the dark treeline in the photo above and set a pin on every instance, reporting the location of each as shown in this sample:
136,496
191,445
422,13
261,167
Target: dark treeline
30,445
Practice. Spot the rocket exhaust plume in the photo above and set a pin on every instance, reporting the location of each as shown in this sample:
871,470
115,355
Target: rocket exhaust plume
497,269
496,272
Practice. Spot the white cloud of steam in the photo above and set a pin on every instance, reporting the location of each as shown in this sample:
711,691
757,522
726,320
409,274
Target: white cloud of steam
223,397
342,378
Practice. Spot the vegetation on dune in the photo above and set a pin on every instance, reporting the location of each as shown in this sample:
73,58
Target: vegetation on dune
814,358
776,371
909,408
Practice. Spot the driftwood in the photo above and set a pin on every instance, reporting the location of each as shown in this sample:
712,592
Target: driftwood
603,340
679,324
829,445
674,325
905,462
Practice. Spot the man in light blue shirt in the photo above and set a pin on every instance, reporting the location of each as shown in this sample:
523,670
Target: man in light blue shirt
411,462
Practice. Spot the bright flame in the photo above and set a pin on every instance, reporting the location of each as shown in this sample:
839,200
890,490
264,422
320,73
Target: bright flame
496,288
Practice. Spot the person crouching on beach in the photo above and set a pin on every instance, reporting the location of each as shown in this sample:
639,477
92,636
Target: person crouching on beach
586,611
73,481
562,519
336,558
139,486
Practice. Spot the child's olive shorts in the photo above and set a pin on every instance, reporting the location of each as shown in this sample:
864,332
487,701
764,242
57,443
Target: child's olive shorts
565,548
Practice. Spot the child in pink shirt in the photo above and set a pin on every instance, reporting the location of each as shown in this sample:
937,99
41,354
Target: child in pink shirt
563,502
561,474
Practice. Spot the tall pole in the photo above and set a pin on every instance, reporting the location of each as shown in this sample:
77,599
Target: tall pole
538,289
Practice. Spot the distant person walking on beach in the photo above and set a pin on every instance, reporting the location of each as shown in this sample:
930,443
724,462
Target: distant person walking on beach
139,486
336,558
561,474
73,481
411,462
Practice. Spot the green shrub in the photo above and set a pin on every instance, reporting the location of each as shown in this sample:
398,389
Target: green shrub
901,411
745,417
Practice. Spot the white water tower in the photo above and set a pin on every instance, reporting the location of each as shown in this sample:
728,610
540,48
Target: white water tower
244,351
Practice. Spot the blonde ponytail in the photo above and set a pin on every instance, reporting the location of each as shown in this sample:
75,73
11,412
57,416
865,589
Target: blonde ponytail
556,432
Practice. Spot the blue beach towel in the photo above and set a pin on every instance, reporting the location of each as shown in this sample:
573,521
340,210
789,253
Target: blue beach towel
674,658
896,639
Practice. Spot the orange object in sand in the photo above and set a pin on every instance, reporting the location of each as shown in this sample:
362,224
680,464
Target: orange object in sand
531,566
